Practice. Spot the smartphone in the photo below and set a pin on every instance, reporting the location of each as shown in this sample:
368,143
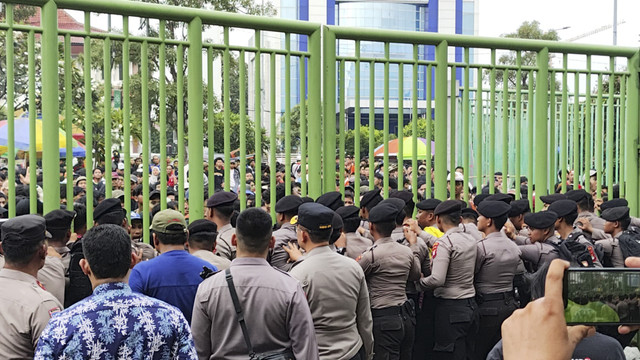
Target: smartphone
602,296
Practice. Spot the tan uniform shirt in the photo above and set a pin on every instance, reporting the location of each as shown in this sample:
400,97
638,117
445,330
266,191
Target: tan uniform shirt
223,242
452,266
25,310
472,230
213,259
275,310
421,250
611,247
357,244
388,266
596,222
540,252
337,293
52,276
496,264
284,235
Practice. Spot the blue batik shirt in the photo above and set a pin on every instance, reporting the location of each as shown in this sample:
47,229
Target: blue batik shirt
116,323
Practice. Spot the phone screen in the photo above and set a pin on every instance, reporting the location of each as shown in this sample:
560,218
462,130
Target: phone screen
602,296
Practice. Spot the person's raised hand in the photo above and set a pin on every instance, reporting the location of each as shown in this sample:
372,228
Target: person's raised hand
410,235
293,250
585,224
509,230
631,262
413,226
539,331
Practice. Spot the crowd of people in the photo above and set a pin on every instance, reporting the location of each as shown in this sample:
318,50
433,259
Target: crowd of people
390,278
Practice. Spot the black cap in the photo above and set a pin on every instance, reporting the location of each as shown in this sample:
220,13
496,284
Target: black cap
564,207
202,226
479,198
469,212
541,220
306,199
288,204
617,202
314,216
336,222
493,209
332,200
107,206
370,199
384,212
519,207
59,219
448,207
577,195
221,198
551,198
506,198
31,228
155,194
404,195
23,207
428,204
611,214
348,212
398,203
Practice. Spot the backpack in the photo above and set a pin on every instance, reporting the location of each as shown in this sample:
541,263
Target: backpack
629,242
577,254
79,284
598,250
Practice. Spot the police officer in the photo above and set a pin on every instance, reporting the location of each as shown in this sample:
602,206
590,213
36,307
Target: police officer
540,248
496,265
547,200
516,216
332,200
617,202
219,210
388,266
425,217
452,272
286,209
519,208
370,199
25,306
54,274
587,220
340,309
567,211
616,220
356,243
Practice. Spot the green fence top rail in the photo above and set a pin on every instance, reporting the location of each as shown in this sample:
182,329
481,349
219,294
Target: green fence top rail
178,13
430,38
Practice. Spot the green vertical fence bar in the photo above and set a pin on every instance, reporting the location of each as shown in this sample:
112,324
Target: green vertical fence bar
211,120
329,98
144,69
88,118
599,132
478,131
385,122
610,162
11,178
552,148
257,117
564,113
162,107
465,125
518,119
452,131
632,165
587,127
106,71
194,79
315,118
400,123
505,130
577,170
68,113
243,133
303,127
272,135
180,131
49,107
441,120
372,123
492,124
414,124
540,124
226,96
33,111
530,112
356,127
428,193
622,133
287,116
341,140
126,115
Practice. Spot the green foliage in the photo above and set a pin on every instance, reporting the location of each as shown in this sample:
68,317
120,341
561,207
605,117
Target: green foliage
378,139
234,134
294,127
407,130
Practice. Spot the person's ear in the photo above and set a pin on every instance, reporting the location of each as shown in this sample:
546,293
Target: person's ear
156,243
84,265
234,240
272,242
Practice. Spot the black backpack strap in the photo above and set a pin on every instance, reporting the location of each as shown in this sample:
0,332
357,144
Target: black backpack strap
239,313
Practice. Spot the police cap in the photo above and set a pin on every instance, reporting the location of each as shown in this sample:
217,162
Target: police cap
466,212
551,198
336,222
428,204
612,214
314,217
506,198
202,226
288,204
617,202
26,228
398,203
332,200
403,195
306,199
577,195
221,198
448,207
479,198
107,206
493,209
541,220
348,212
564,207
59,219
519,207
383,212
370,199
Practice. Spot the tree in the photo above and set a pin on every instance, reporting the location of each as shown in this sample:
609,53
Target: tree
234,134
378,139
407,130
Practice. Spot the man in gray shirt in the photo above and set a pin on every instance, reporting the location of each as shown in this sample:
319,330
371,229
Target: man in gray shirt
275,309
286,209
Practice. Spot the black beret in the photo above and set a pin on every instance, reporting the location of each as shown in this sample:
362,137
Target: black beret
493,208
479,198
551,198
336,222
314,216
541,220
288,204
448,207
107,206
154,194
577,195
564,207
428,204
398,203
332,200
306,199
506,198
469,212
383,212
404,195
617,202
59,219
348,212
519,207
370,199
611,214
26,227
202,226
221,198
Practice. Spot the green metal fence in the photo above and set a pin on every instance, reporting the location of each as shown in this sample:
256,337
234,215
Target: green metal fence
479,123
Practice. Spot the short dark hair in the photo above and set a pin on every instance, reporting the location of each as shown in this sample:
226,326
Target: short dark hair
171,239
500,221
203,240
624,223
318,236
224,212
107,249
586,203
58,234
20,251
253,230
351,225
385,228
80,220
451,218
570,218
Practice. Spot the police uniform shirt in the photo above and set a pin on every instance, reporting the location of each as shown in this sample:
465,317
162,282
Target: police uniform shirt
420,249
223,242
596,222
284,235
340,309
65,256
215,260
472,230
25,310
388,266
540,252
452,266
52,276
578,236
611,248
356,244
496,264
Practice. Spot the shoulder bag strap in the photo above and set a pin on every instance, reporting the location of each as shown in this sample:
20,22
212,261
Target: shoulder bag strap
239,313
